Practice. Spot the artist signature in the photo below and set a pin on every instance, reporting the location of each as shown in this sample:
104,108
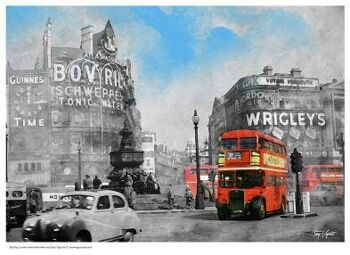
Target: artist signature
323,234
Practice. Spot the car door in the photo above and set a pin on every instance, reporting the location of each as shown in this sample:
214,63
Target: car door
119,215
103,229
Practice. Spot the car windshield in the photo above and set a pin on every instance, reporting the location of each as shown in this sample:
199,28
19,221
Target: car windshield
249,179
76,202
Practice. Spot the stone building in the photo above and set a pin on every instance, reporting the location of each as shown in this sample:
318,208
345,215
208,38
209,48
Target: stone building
288,106
76,102
216,126
148,147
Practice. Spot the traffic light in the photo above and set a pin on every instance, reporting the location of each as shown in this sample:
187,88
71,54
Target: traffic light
296,161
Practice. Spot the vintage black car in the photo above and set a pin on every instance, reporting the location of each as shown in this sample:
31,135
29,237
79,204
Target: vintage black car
20,202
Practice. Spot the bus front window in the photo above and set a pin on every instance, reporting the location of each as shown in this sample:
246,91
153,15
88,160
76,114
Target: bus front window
226,180
248,143
249,179
229,144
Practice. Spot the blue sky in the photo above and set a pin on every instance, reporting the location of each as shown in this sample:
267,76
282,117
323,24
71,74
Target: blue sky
185,56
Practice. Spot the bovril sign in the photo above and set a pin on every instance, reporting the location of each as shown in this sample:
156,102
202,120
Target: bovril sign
86,83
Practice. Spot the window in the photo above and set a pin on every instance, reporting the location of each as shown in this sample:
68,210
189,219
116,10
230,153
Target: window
103,203
229,144
76,201
271,181
38,166
17,193
147,139
32,167
118,202
26,167
247,143
280,181
249,179
19,167
226,180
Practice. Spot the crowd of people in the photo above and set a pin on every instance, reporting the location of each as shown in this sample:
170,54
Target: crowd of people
88,183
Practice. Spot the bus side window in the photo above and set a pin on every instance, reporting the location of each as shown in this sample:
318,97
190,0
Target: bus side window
271,181
279,181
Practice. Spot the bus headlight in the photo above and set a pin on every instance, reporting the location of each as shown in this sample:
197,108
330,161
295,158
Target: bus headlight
255,158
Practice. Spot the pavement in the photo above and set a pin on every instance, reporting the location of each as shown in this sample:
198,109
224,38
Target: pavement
207,209
179,225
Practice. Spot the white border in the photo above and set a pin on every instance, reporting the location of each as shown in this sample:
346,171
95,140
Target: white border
178,248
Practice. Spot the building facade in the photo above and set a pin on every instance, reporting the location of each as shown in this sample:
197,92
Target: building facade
65,117
290,107
216,126
148,147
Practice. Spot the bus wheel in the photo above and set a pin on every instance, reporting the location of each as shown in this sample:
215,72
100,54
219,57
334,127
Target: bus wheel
222,214
261,211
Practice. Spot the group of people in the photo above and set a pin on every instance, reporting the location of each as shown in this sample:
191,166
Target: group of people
88,183
188,197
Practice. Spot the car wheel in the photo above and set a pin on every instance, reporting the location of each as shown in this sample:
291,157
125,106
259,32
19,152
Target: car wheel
83,237
128,237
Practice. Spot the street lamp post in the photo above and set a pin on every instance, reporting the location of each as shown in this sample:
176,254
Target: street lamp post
79,164
199,196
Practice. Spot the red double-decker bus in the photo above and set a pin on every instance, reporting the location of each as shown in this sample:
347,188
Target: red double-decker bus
315,175
252,174
190,176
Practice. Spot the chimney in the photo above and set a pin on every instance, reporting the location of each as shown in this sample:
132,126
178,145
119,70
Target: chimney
334,80
295,72
267,70
86,39
47,45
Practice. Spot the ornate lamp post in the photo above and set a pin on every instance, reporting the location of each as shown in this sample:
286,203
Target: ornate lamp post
199,196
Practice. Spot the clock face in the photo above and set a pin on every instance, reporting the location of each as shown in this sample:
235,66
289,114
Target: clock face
27,102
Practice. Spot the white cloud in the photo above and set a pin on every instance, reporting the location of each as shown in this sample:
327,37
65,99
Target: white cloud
169,114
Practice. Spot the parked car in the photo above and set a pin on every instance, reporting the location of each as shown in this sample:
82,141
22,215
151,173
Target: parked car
326,195
85,216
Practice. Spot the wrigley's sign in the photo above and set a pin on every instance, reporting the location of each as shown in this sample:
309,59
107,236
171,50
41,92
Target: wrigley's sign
286,118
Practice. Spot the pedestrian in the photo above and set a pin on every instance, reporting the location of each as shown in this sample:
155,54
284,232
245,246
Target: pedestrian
96,183
171,197
150,184
133,200
87,183
34,200
77,186
188,197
